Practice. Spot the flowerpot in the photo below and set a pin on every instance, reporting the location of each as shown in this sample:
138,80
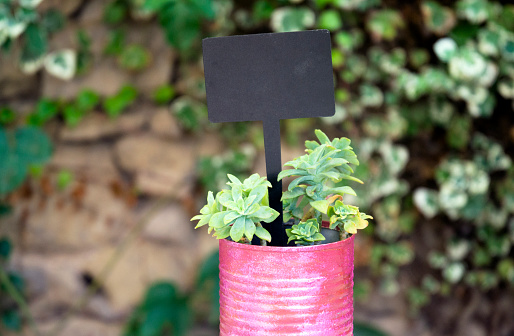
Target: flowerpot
269,290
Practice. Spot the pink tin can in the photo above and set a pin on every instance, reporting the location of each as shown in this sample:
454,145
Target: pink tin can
300,291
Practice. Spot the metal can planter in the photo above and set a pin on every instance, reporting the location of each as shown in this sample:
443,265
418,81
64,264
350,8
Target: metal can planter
300,291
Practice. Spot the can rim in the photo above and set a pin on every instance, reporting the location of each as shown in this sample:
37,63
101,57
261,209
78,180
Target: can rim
287,249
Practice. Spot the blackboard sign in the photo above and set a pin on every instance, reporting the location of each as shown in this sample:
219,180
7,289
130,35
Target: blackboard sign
269,77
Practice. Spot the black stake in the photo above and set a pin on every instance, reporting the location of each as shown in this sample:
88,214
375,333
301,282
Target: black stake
271,129
269,77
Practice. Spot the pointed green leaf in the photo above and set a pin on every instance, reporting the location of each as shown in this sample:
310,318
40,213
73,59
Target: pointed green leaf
321,206
238,229
291,172
297,181
339,191
249,228
322,137
262,233
216,220
234,179
259,192
296,192
231,216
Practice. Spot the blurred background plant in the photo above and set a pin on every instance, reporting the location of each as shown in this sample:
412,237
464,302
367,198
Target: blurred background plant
117,120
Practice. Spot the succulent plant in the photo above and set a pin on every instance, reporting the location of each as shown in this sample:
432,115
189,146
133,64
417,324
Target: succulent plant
238,212
305,233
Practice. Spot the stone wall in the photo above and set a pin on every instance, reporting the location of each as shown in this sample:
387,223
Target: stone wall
122,167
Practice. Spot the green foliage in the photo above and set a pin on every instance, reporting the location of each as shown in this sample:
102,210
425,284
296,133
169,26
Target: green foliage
166,311
64,178
5,248
330,20
285,19
325,164
134,57
10,317
163,310
212,170
385,24
20,148
181,20
115,11
238,211
305,233
115,43
45,111
364,329
84,54
116,104
163,94
208,278
22,24
7,116
191,114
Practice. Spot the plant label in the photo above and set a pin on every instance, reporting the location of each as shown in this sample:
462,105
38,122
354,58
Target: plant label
269,77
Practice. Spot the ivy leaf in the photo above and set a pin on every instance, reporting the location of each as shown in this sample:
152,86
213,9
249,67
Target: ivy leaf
5,248
35,44
124,98
134,57
155,5
61,64
32,145
11,319
181,24
52,21
87,100
426,201
287,19
445,49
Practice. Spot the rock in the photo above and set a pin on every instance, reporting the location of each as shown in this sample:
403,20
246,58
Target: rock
83,216
160,69
65,7
94,161
205,244
104,78
82,326
160,167
170,224
93,12
203,331
210,144
36,282
13,82
473,328
164,124
387,313
142,263
96,126
191,81
62,277
65,276
67,38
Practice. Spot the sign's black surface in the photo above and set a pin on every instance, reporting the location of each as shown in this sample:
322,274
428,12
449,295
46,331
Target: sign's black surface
262,76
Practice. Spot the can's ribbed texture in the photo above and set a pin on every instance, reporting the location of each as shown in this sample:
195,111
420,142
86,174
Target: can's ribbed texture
300,291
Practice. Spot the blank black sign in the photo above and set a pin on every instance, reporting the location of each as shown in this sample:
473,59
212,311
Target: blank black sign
269,76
